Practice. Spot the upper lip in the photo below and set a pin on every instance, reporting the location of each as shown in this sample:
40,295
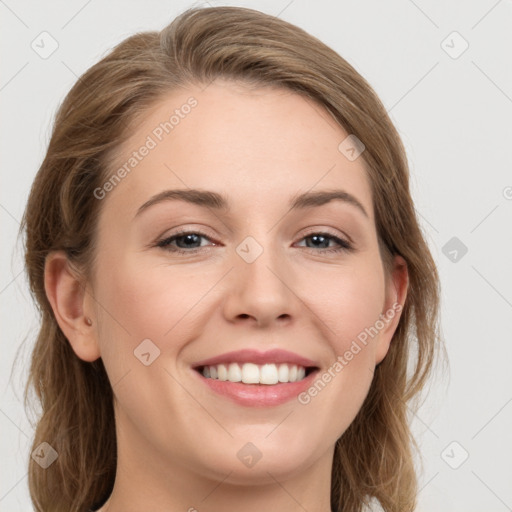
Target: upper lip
257,357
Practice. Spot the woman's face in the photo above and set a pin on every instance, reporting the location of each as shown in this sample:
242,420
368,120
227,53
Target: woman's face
275,274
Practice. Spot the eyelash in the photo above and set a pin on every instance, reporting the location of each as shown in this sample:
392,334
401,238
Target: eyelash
344,245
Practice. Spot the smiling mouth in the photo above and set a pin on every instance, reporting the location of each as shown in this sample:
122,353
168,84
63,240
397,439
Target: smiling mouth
251,373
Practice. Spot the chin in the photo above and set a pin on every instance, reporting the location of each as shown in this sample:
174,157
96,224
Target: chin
254,462
266,470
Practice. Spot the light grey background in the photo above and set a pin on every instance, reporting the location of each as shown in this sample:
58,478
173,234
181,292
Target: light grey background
453,112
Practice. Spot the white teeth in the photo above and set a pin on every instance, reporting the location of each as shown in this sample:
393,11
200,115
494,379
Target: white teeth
268,374
250,373
222,372
283,373
234,373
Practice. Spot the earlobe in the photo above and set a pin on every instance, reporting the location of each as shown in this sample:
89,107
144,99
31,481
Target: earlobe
66,294
396,294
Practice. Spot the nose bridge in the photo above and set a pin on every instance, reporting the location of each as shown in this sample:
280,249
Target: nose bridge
261,287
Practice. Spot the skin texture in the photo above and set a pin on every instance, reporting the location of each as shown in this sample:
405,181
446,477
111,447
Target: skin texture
177,439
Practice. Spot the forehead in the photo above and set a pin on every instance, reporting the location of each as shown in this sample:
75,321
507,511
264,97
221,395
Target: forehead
260,145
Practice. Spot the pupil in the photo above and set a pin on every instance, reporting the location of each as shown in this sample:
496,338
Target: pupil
318,238
190,238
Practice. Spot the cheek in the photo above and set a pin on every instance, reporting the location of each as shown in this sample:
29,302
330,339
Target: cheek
348,303
347,300
157,302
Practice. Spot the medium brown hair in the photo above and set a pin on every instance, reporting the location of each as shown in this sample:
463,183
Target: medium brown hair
373,459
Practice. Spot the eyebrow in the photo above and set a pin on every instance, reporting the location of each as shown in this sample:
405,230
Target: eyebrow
214,200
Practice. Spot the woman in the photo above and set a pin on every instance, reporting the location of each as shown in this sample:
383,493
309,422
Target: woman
231,277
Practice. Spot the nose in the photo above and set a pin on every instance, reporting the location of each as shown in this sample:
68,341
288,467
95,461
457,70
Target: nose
261,293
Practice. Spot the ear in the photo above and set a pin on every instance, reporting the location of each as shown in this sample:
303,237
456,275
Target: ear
66,293
396,293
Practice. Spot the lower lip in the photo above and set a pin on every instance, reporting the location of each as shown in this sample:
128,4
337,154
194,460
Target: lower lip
258,395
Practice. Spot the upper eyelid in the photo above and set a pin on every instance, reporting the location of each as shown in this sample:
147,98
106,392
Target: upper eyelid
329,233
199,231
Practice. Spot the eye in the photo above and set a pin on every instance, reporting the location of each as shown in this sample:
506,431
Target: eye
189,242
186,242
321,240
